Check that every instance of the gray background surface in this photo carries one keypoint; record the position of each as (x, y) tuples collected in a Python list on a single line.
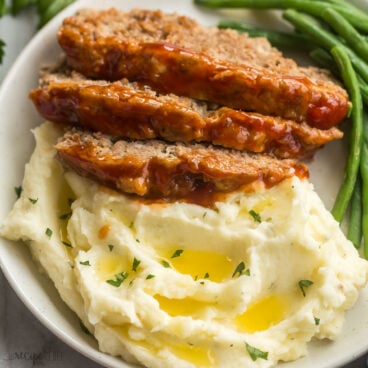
[(24, 342)]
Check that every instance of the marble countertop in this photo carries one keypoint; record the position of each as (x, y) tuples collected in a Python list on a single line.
[(24, 341)]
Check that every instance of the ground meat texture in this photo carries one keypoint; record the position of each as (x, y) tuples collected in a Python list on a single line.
[(174, 54), (156, 170), (135, 111)]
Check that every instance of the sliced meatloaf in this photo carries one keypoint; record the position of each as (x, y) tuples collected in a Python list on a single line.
[(154, 169), (174, 54), (134, 111)]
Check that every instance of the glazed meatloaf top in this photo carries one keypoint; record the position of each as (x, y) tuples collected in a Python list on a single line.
[(173, 53), (151, 26), (132, 110)]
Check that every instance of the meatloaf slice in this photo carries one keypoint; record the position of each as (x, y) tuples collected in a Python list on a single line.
[(154, 169), (175, 54), (133, 111)]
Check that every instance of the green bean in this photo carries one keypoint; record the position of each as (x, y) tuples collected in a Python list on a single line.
[(324, 59), (363, 90), (54, 8), (324, 38), (349, 77), (3, 8), (355, 16), (364, 175), (355, 219), (343, 3), (43, 5), (343, 28), (278, 39), (18, 5)]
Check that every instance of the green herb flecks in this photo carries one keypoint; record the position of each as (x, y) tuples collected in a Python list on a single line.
[(136, 263), (33, 200), (177, 253), (256, 216), (241, 270), (256, 353), (303, 284), (85, 263), (119, 279), (48, 232), (166, 264)]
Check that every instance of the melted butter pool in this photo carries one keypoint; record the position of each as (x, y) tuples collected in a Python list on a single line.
[(263, 314), (200, 264), (109, 265), (199, 356), (181, 307)]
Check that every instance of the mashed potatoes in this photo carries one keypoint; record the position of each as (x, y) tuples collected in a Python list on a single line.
[(246, 284)]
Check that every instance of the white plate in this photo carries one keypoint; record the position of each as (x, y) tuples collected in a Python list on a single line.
[(35, 290)]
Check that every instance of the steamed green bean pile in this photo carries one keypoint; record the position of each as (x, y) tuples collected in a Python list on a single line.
[(335, 34)]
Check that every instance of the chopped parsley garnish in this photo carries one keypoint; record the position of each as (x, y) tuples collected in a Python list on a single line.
[(316, 321), (137, 240), (33, 200), (256, 353), (85, 263), (48, 232), (240, 269), (206, 275), (18, 191), (67, 244), (177, 253), (303, 284), (111, 247), (256, 216), (165, 264), (119, 279), (136, 263), (150, 276), (65, 216)]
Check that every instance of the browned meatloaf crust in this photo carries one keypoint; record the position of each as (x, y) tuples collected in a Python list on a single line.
[(175, 54), (133, 111), (154, 169)]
